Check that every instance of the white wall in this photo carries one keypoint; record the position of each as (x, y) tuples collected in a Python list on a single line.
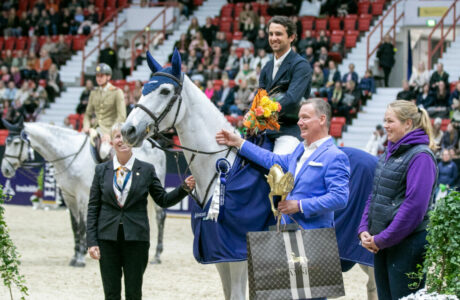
[(139, 17)]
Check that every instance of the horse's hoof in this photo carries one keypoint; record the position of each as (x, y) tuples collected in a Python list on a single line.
[(80, 264), (155, 261)]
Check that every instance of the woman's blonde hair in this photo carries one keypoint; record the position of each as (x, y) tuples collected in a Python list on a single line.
[(406, 110)]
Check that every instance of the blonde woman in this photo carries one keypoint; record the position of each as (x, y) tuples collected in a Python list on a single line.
[(393, 225)]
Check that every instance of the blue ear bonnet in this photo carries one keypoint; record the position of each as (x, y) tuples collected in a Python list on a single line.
[(156, 81)]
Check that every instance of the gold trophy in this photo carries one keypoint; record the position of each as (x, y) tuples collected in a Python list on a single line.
[(281, 184)]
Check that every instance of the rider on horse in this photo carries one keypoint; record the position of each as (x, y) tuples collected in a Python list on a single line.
[(107, 103)]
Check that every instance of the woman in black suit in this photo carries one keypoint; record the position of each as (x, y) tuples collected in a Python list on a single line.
[(118, 226)]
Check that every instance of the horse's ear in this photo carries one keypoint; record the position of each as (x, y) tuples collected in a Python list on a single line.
[(21, 122), (153, 64), (176, 63)]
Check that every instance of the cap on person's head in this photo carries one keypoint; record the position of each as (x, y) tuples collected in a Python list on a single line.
[(103, 69), (438, 121), (379, 127)]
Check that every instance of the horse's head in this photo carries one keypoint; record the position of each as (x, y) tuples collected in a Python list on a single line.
[(160, 106), (16, 148)]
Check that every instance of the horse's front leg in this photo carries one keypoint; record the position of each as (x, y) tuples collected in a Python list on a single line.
[(160, 217), (71, 203)]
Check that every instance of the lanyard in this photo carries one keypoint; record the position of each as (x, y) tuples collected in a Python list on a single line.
[(120, 189)]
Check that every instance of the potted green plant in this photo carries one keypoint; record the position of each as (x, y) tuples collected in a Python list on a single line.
[(9, 257)]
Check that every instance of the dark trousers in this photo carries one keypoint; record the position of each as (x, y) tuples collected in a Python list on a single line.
[(386, 74), (392, 264), (127, 257)]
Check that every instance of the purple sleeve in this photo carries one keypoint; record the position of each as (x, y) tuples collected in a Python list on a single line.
[(364, 225), (419, 183)]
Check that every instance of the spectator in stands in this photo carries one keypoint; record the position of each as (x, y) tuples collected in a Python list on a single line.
[(43, 24), (323, 57), (43, 64), (245, 43), (34, 19), (246, 58), (23, 93), (263, 24), (84, 97), (309, 55), (247, 16), (209, 91), (437, 132), (425, 99), (19, 61), (221, 42), (67, 22), (24, 24), (307, 41), (53, 83), (8, 58), (192, 60), (331, 74), (92, 15), (61, 51), (198, 75), (455, 105), (233, 63), (209, 31), (249, 29), (367, 86), (243, 74), (33, 102), (261, 59), (40, 5), (322, 40), (124, 58), (34, 45), (54, 21), (243, 99), (193, 28), (198, 44), (15, 112), (182, 46), (10, 92), (213, 72), (128, 97), (335, 97), (206, 58), (351, 100), (351, 74), (218, 58), (49, 45), (447, 170), (108, 55), (450, 138), (16, 76), (317, 81), (441, 105), (137, 92), (438, 76), (376, 143), (225, 97), (406, 93), (29, 71), (2, 90), (261, 41), (141, 48), (385, 54), (419, 78), (12, 24)]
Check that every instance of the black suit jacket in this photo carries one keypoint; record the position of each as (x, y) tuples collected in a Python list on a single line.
[(104, 213), (293, 80)]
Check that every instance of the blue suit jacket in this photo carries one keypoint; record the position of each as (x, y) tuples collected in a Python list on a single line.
[(354, 77), (294, 79), (321, 184)]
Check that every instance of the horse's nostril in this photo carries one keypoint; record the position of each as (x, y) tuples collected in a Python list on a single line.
[(130, 131)]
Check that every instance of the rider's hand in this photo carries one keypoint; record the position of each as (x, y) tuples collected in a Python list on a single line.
[(225, 137), (190, 182), (94, 252)]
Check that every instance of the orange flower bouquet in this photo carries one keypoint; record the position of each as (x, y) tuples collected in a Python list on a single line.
[(263, 114)]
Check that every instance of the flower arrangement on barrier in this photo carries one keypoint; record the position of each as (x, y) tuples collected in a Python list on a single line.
[(263, 114)]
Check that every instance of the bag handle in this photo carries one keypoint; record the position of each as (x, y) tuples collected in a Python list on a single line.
[(278, 223)]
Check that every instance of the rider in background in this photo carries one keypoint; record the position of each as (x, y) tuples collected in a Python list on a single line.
[(106, 102), (290, 74)]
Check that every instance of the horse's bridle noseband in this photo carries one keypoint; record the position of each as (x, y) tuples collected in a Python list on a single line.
[(176, 96)]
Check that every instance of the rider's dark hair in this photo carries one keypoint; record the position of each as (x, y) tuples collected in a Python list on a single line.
[(291, 28)]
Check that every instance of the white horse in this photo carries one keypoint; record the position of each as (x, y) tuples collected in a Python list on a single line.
[(169, 101), (69, 153)]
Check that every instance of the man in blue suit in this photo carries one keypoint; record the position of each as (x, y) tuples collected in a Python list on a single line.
[(321, 171), (288, 76)]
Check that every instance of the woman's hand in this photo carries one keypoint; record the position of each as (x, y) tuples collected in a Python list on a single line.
[(225, 137), (367, 241), (94, 252), (190, 182)]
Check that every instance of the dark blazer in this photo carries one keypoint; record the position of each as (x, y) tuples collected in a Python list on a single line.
[(354, 77), (104, 213), (228, 101), (336, 76), (293, 80)]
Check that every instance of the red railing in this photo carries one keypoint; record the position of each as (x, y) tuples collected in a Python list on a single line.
[(86, 53), (391, 13), (136, 52), (440, 44)]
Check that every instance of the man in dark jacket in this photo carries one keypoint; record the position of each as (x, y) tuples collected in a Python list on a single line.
[(385, 54), (289, 76)]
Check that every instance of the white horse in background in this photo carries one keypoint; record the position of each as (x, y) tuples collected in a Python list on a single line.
[(69, 153)]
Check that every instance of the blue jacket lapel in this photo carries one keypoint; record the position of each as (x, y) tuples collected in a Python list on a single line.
[(134, 181), (312, 157), (283, 68), (108, 182)]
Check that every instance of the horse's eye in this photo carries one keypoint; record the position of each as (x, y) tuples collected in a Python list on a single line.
[(164, 92)]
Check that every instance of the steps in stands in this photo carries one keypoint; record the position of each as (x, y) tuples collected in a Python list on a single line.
[(451, 61), (372, 114), (64, 105), (209, 8)]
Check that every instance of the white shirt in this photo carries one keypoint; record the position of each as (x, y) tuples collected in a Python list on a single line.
[(121, 197), (277, 63), (309, 151)]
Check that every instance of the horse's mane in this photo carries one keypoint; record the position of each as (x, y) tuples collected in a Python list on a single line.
[(56, 129)]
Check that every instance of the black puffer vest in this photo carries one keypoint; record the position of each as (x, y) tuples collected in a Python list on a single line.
[(389, 189)]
